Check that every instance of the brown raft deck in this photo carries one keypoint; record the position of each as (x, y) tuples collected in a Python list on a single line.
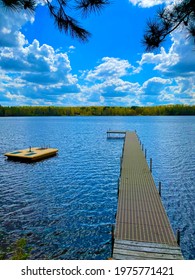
[(32, 154), (142, 229)]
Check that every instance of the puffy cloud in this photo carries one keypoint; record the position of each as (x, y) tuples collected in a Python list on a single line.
[(35, 74), (162, 60), (110, 67), (71, 49), (154, 85), (31, 71), (41, 71), (176, 66), (105, 83), (117, 87), (150, 3), (182, 90), (110, 82), (10, 25), (179, 61)]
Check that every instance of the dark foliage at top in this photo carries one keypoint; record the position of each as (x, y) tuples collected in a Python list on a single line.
[(168, 20), (58, 10)]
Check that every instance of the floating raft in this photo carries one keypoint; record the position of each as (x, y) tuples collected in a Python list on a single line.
[(142, 229), (32, 154)]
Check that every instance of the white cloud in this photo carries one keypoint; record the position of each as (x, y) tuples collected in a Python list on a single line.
[(162, 60), (150, 3), (10, 25), (176, 71), (31, 71), (16, 97), (176, 67), (155, 85), (40, 65), (110, 67), (109, 82), (178, 61), (106, 82)]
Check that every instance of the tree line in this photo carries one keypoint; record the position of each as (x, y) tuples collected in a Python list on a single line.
[(164, 110)]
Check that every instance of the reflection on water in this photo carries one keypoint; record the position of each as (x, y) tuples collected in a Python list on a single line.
[(65, 206)]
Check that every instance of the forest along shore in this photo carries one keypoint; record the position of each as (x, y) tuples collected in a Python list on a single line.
[(164, 110)]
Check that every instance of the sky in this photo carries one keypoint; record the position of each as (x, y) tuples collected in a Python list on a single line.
[(39, 65)]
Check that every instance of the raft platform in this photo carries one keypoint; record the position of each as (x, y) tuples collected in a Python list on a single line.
[(142, 229), (32, 154)]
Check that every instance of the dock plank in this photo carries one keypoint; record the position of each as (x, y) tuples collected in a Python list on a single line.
[(141, 216)]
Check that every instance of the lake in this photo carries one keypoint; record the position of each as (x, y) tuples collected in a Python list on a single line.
[(65, 205)]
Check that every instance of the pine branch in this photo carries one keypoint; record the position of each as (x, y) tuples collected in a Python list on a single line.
[(58, 8), (17, 5), (90, 6), (66, 23), (167, 22)]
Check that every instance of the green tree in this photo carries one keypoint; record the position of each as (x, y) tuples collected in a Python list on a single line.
[(2, 111), (168, 20), (58, 10)]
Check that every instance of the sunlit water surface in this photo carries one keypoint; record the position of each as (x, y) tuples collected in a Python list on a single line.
[(65, 206)]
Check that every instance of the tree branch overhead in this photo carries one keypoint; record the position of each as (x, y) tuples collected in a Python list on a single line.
[(168, 20), (58, 11)]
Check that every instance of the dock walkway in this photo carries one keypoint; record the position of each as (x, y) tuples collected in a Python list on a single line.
[(142, 229)]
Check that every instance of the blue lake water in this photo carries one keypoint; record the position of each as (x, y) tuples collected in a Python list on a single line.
[(65, 206)]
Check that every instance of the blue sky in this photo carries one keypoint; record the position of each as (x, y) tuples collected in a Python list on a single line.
[(41, 66)]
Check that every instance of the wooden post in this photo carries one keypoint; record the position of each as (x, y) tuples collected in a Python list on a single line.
[(142, 147), (118, 186), (112, 238), (30, 149), (121, 165), (159, 190), (145, 153), (151, 165), (178, 237)]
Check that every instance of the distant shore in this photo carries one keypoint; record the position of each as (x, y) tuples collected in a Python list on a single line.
[(163, 110)]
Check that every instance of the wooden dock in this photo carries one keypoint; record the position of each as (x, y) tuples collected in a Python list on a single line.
[(142, 229), (115, 134)]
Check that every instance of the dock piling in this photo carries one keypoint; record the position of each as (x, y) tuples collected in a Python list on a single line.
[(113, 226), (151, 165), (178, 237), (118, 186), (159, 188)]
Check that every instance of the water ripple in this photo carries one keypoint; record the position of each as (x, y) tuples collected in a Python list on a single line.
[(65, 206)]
